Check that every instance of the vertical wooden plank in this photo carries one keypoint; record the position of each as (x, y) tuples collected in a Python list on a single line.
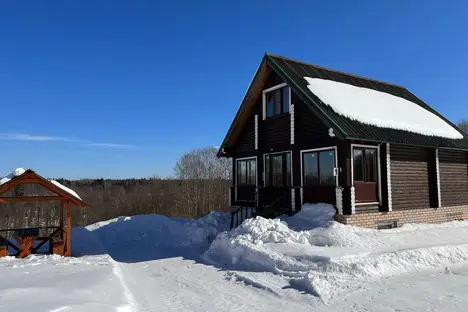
[(68, 244), (344, 174), (433, 177), (62, 208), (439, 196)]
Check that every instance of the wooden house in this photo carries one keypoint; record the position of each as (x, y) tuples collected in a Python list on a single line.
[(379, 154)]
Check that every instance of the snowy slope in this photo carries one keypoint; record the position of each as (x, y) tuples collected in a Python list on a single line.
[(302, 263)]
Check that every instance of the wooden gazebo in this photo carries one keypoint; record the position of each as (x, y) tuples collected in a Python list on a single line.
[(30, 240)]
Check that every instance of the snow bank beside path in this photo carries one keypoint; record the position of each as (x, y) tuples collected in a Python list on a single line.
[(149, 237), (332, 257)]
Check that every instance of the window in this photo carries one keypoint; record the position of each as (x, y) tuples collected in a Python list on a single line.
[(319, 168), (278, 169), (247, 172), (365, 164), (277, 102)]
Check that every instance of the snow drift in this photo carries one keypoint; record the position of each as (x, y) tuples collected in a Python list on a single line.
[(148, 237), (332, 257)]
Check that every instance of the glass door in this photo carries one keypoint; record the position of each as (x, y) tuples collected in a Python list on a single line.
[(277, 177), (246, 178), (319, 176)]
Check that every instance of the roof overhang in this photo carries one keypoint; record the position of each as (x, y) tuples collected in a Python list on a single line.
[(31, 177), (245, 108)]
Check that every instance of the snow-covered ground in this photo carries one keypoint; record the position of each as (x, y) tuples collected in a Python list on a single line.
[(300, 263)]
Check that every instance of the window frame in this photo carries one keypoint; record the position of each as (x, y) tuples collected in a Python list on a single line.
[(364, 173), (317, 159), (272, 89), (247, 160), (284, 165), (337, 165), (379, 169)]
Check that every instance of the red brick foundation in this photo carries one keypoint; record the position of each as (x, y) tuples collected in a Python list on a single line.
[(426, 215)]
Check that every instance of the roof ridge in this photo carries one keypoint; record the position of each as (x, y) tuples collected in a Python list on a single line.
[(333, 70)]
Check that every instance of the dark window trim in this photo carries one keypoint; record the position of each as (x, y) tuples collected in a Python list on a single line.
[(248, 163), (364, 164), (318, 151), (289, 177), (282, 86)]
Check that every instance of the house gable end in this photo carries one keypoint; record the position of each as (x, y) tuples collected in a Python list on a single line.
[(267, 75)]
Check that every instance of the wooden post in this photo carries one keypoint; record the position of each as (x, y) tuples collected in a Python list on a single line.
[(62, 208), (68, 241)]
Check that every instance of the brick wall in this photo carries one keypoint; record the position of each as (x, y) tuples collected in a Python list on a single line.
[(427, 215)]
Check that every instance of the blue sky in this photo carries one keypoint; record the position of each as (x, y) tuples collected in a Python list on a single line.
[(123, 88)]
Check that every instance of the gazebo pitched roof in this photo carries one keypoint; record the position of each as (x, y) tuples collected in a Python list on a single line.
[(21, 176)]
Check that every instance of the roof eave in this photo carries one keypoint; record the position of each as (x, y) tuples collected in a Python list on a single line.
[(350, 138), (220, 152)]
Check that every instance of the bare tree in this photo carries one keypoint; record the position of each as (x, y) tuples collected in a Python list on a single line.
[(202, 163), (463, 124)]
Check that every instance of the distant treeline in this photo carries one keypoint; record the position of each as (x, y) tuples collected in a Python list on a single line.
[(200, 185), (108, 199)]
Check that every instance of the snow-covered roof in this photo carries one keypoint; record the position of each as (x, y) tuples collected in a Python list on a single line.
[(64, 188), (15, 173), (19, 171), (380, 109)]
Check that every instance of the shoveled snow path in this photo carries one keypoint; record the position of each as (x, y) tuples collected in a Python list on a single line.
[(176, 284), (434, 290)]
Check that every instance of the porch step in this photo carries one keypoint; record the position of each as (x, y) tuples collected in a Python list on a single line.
[(367, 208)]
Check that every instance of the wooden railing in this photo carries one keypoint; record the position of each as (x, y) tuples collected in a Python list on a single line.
[(281, 205), (25, 237)]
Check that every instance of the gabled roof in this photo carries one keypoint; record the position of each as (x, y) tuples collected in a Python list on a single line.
[(294, 72), (21, 176)]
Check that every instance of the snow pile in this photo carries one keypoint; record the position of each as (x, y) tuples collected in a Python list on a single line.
[(15, 173), (149, 237), (380, 109), (311, 216), (329, 259)]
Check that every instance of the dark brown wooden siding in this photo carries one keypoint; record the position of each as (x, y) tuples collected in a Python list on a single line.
[(453, 171), (410, 177), (246, 141), (309, 129), (276, 132)]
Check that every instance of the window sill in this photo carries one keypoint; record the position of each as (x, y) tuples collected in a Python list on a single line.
[(366, 203), (277, 116)]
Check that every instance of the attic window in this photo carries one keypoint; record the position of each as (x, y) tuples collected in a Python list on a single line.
[(276, 100)]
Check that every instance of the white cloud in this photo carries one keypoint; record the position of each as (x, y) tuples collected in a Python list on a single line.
[(111, 145), (46, 138), (30, 137)]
